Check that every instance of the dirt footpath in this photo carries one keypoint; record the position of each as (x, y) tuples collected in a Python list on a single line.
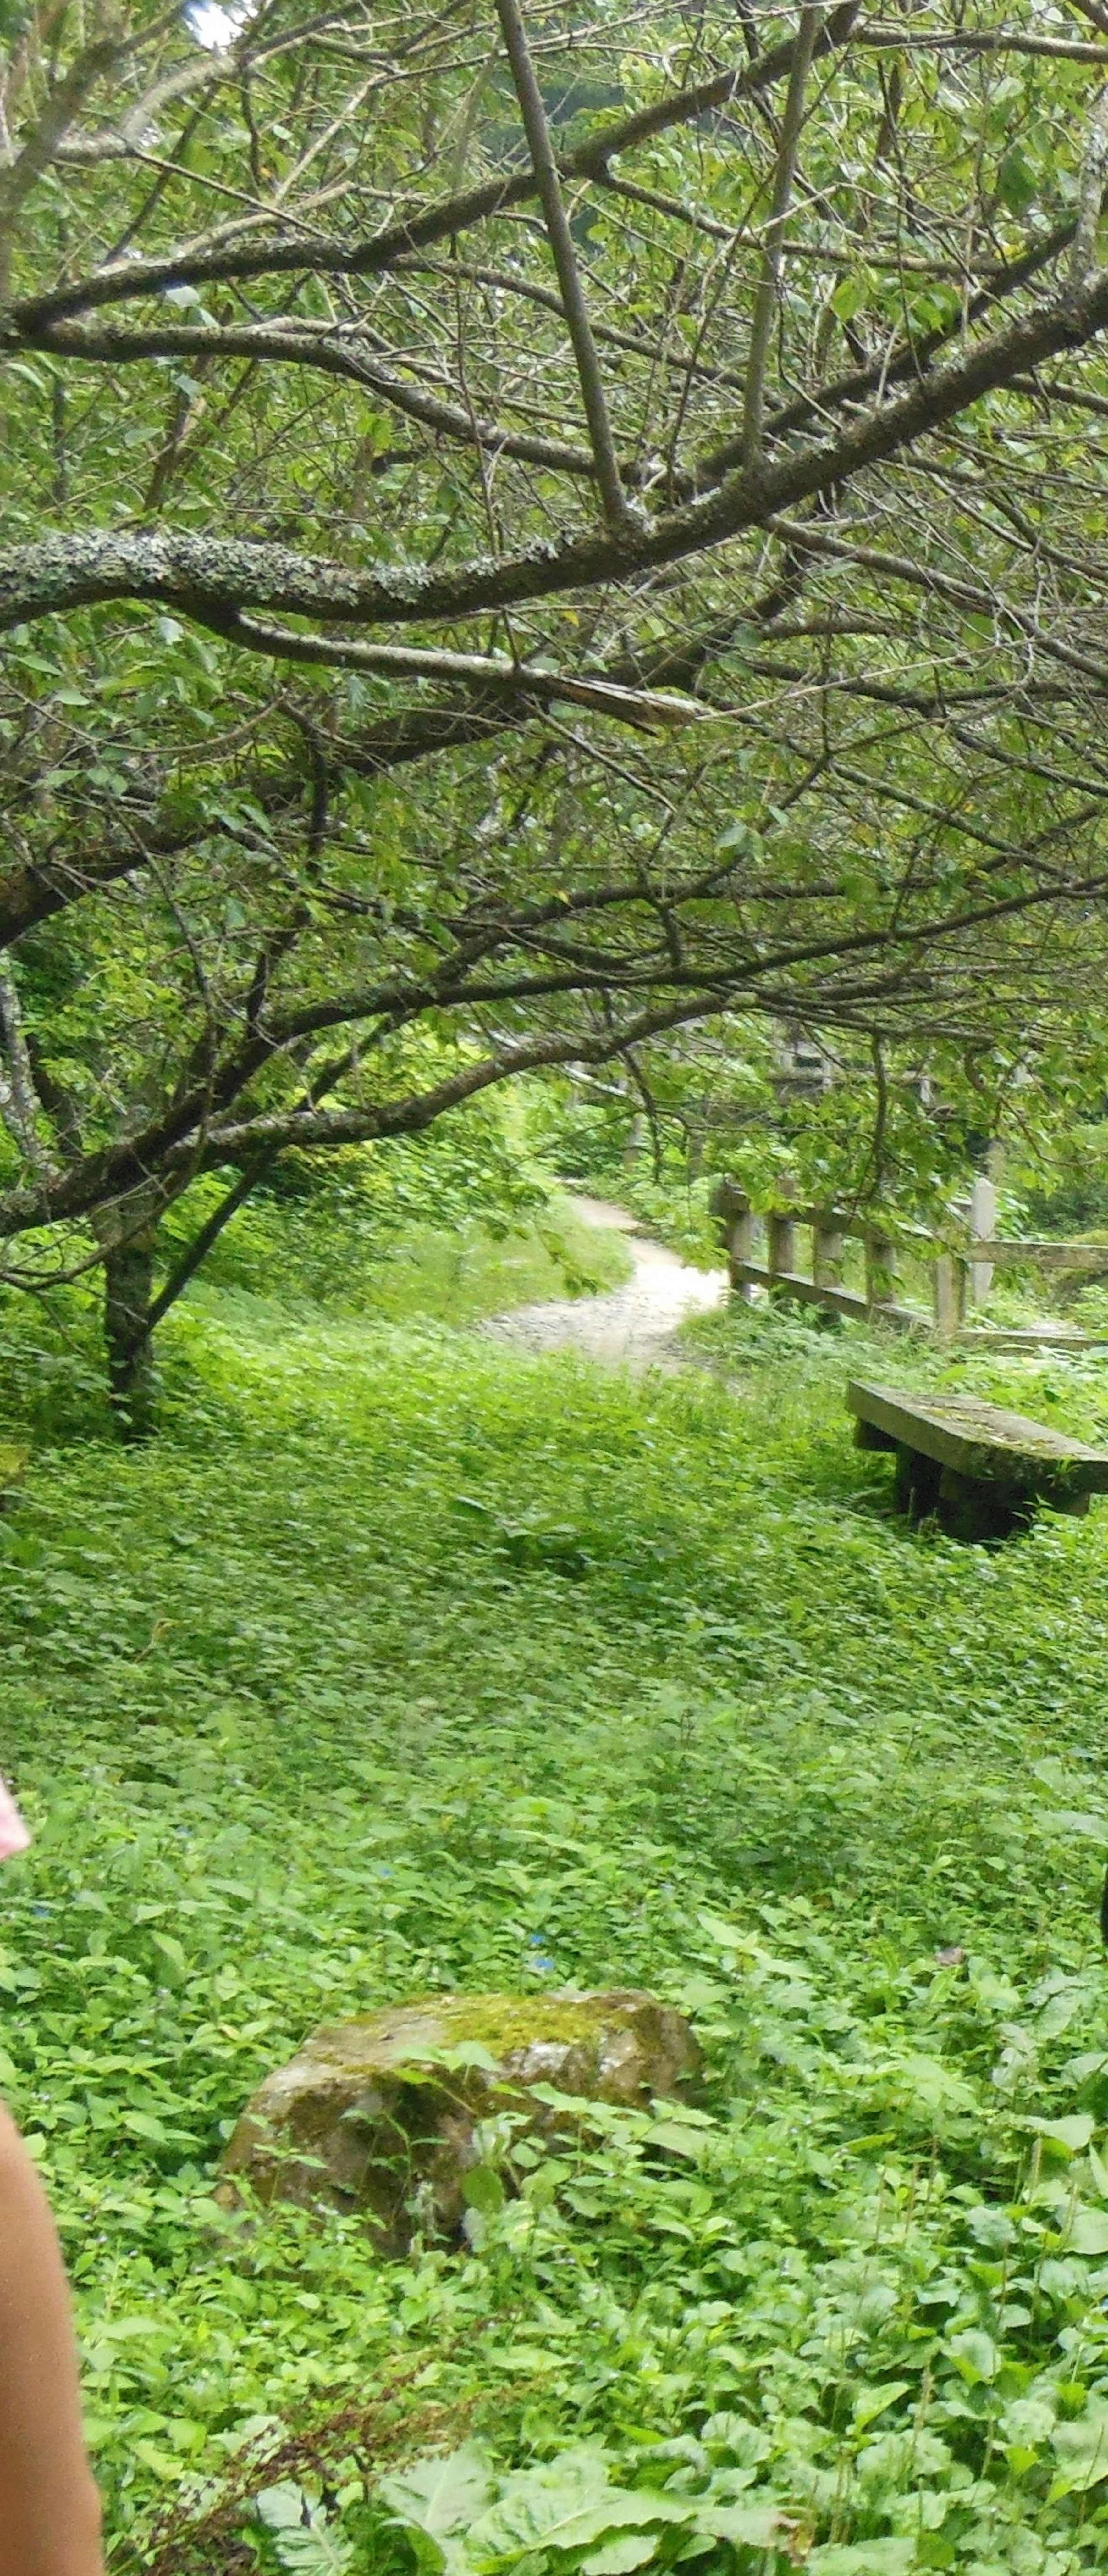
[(632, 1326)]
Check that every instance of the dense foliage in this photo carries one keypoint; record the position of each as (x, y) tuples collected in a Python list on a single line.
[(524, 534), (550, 541), (401, 1662)]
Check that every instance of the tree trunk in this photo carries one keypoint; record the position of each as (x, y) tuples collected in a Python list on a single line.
[(128, 1295)]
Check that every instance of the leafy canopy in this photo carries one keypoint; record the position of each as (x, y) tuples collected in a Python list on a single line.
[(557, 527)]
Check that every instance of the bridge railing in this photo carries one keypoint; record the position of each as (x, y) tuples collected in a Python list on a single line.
[(763, 1251)]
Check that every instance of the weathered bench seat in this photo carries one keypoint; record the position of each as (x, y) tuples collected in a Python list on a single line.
[(980, 1469)]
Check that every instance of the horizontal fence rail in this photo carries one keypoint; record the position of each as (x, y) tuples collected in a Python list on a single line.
[(961, 1264)]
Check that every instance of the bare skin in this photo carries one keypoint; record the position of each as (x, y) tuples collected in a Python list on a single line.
[(49, 2508)]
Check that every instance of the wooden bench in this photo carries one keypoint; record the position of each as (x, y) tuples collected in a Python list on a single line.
[(980, 1470)]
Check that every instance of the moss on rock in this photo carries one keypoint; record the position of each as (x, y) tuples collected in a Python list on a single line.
[(380, 2115)]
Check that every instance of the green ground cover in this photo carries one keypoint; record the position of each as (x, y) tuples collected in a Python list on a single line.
[(329, 1251), (401, 1661)]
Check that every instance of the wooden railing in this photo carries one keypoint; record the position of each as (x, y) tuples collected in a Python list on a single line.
[(961, 1263)]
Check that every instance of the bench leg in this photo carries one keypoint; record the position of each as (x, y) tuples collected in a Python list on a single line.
[(868, 1436), (970, 1509), (915, 1483)]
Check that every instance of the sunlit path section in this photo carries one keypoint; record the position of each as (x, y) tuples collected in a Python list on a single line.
[(635, 1324)]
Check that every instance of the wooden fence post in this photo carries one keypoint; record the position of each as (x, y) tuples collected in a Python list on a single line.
[(827, 1252), (950, 1295), (784, 1275), (982, 1228), (735, 1217), (740, 1247), (880, 1271), (781, 1254)]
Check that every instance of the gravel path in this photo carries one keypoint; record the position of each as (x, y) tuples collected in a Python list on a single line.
[(631, 1326)]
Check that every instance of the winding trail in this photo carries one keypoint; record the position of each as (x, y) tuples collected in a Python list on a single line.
[(632, 1326)]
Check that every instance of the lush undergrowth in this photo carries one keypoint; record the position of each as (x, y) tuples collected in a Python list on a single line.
[(459, 1277), (52, 1375), (448, 1272), (401, 1662)]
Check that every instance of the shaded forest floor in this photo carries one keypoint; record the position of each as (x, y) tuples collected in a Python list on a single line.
[(405, 1661)]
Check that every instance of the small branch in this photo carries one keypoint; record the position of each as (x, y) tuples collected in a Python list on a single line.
[(286, 346), (769, 285), (989, 40), (518, 681), (41, 146), (121, 142), (277, 255), (881, 1116), (565, 261), (197, 1251), (650, 1111)]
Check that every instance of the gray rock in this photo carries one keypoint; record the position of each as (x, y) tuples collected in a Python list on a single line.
[(383, 2115)]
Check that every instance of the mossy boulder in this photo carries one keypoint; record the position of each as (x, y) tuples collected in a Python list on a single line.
[(384, 2115)]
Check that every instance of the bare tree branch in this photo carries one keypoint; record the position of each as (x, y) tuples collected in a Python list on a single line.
[(560, 238), (765, 302), (41, 145), (276, 255)]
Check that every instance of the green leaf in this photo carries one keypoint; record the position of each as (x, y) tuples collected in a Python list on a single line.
[(872, 2402), (567, 2503), (727, 1936), (466, 2053), (678, 2138), (304, 2541), (746, 2526), (1099, 2170), (483, 2189), (618, 2557), (1087, 2232), (1016, 180), (440, 2495), (144, 2124), (863, 2558), (1072, 2133), (976, 2355), (1081, 2449)]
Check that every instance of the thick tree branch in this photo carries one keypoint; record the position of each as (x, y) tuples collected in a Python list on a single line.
[(201, 575), (519, 683), (208, 1234), (282, 345), (41, 145)]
